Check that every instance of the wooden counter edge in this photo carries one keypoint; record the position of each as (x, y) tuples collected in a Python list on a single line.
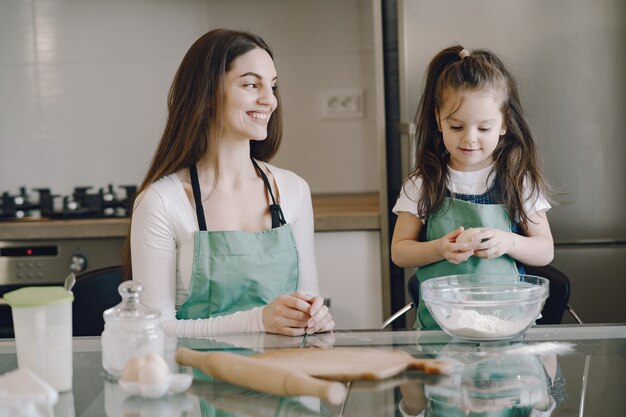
[(333, 212)]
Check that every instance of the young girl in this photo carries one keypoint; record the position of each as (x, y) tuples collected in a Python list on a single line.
[(476, 167)]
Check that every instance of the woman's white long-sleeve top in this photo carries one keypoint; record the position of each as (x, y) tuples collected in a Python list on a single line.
[(162, 246)]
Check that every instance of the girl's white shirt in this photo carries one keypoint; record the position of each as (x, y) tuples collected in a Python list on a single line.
[(162, 247), (463, 182)]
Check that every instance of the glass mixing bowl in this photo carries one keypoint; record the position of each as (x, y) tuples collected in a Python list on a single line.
[(478, 307), (498, 380)]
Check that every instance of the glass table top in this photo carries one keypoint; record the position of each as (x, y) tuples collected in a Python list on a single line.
[(577, 370)]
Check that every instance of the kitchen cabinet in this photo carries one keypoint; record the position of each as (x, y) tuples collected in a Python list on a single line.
[(349, 268), (349, 262)]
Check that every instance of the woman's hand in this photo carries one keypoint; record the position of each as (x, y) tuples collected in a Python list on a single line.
[(321, 340), (453, 252), (287, 315), (321, 320), (492, 243), (296, 314)]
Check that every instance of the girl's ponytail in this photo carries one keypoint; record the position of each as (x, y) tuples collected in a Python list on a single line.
[(431, 155)]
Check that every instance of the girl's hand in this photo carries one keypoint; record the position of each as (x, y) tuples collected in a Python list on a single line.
[(321, 320), (287, 315), (492, 243), (453, 252)]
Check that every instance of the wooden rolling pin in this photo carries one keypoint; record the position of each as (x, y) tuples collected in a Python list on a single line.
[(261, 376)]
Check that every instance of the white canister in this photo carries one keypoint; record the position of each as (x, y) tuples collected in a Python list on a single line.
[(42, 320), (130, 329)]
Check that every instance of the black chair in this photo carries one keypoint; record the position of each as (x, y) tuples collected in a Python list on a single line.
[(413, 286), (553, 309), (558, 300), (94, 292)]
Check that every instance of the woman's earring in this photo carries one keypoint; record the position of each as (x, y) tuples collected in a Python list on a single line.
[(502, 132)]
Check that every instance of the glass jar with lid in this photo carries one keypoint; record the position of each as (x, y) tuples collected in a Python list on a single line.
[(130, 329)]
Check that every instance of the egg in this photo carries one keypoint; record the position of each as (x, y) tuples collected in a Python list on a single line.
[(467, 235), (154, 379), (155, 359), (148, 376), (130, 371)]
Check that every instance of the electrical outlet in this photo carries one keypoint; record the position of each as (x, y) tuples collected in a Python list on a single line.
[(347, 104)]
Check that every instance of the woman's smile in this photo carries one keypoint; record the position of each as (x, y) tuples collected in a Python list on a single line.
[(259, 117)]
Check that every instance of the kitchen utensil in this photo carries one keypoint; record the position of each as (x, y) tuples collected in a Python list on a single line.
[(130, 329), (261, 376), (70, 280), (296, 371), (491, 380), (485, 306), (350, 364), (42, 319)]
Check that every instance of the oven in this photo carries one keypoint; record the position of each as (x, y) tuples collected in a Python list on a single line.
[(48, 262)]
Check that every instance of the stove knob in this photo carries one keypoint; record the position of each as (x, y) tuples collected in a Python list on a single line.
[(78, 263)]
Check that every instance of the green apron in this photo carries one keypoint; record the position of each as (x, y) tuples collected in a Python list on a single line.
[(236, 271), (455, 213)]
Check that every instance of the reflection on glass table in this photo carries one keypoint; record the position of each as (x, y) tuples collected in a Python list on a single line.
[(491, 380), (523, 375)]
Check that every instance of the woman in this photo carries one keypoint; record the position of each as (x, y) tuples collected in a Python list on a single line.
[(221, 240)]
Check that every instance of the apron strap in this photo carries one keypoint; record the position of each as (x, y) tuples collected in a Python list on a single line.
[(197, 198), (278, 219)]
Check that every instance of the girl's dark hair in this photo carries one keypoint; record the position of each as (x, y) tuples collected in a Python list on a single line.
[(195, 110), (516, 161)]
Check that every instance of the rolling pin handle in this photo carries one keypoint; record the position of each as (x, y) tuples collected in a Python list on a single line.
[(260, 376)]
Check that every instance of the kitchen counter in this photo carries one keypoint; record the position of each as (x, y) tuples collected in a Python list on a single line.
[(336, 212), (569, 370), (333, 212)]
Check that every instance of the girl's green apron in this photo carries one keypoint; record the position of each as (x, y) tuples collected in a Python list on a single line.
[(235, 271), (452, 214)]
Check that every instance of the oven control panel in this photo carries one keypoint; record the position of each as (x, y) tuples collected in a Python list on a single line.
[(49, 262)]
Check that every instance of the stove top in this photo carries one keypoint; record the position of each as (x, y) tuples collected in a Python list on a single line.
[(81, 204)]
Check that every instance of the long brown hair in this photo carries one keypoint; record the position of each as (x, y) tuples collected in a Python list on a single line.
[(195, 110), (516, 161)]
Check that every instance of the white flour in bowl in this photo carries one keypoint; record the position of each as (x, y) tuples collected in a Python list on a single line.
[(470, 323)]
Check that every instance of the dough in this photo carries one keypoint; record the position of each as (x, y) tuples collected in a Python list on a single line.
[(467, 235)]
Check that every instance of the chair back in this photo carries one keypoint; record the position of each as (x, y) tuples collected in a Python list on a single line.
[(413, 286), (556, 304), (94, 292)]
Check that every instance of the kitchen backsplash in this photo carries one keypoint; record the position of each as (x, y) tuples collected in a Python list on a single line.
[(83, 86)]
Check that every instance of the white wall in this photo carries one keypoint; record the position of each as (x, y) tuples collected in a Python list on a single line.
[(83, 86)]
